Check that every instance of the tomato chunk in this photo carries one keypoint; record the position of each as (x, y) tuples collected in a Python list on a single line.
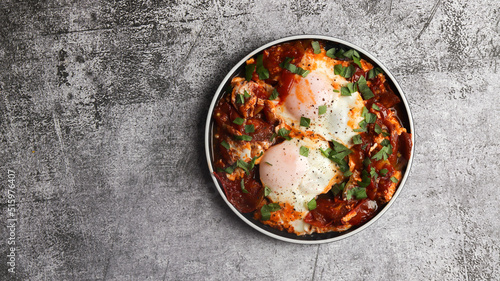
[(243, 202), (327, 212), (358, 73), (383, 92), (405, 145), (275, 55), (224, 115), (263, 130), (361, 213)]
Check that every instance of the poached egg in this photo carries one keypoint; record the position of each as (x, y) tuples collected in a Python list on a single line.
[(295, 179)]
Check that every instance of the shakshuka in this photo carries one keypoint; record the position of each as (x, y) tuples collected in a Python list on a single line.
[(308, 138)]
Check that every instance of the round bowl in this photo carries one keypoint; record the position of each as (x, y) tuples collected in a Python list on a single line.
[(315, 238)]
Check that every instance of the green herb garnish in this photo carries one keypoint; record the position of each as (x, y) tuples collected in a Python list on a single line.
[(345, 72), (304, 122), (261, 70), (348, 89), (311, 205), (249, 69), (225, 144), (239, 121), (331, 53), (284, 133), (374, 72), (337, 155), (383, 153), (358, 192), (230, 169), (249, 128), (267, 191), (243, 186), (326, 152), (316, 47), (357, 61), (343, 166), (321, 109), (351, 54), (357, 139), (266, 210), (272, 137), (338, 147), (364, 89), (354, 55), (247, 167), (365, 179), (304, 151), (240, 99), (338, 187), (243, 137), (339, 53), (362, 126), (274, 95), (293, 68), (369, 117)]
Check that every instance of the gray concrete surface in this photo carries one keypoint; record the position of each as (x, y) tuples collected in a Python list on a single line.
[(102, 108)]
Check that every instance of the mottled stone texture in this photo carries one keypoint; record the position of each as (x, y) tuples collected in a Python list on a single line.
[(102, 111)]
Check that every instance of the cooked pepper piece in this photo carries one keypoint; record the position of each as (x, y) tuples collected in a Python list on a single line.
[(244, 202)]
